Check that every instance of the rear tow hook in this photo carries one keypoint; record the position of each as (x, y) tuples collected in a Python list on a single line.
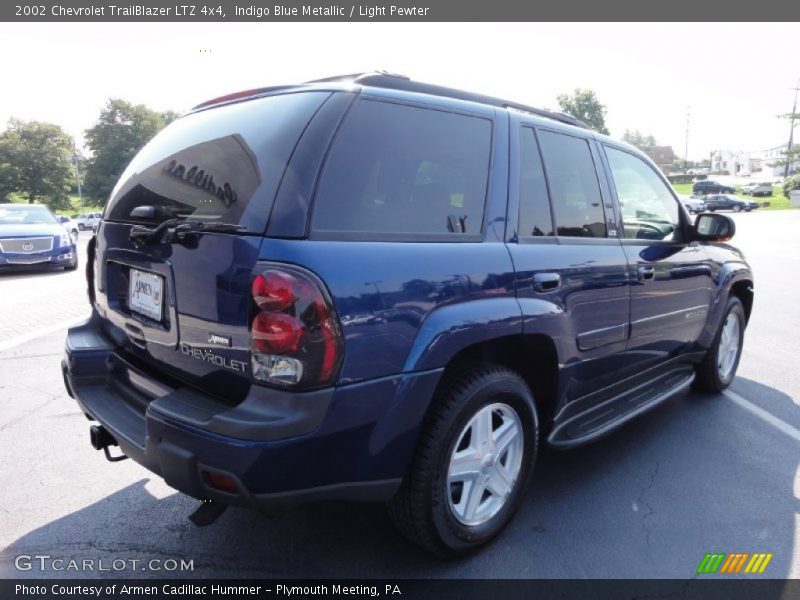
[(101, 439), (208, 512)]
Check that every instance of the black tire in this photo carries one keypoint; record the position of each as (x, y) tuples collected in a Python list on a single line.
[(421, 508), (737, 208), (708, 378)]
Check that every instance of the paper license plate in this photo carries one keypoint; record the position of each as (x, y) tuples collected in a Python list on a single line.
[(146, 294)]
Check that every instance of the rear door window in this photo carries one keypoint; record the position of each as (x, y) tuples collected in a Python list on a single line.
[(221, 164), (535, 219), (403, 172), (574, 187)]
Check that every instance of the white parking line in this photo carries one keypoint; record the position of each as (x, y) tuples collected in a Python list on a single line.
[(27, 337), (765, 416)]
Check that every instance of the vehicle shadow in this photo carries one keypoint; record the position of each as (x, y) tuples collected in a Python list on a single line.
[(19, 274), (695, 475)]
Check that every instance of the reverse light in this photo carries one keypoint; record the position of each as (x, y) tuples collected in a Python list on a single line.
[(295, 337)]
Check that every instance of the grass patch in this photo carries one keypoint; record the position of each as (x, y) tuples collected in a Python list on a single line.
[(776, 202), (74, 201)]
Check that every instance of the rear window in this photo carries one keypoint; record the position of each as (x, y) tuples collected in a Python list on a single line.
[(402, 172), (222, 164)]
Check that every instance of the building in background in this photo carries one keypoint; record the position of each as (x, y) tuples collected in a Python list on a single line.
[(768, 158), (754, 164), (663, 156), (732, 162)]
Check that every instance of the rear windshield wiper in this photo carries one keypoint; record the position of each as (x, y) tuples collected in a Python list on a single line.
[(177, 230)]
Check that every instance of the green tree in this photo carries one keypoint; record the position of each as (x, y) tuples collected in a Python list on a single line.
[(790, 184), (790, 156), (35, 163), (640, 140), (120, 132), (584, 105)]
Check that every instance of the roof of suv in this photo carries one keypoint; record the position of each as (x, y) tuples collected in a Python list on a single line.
[(388, 81)]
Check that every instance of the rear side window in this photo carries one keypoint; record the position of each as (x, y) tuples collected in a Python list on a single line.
[(222, 164), (574, 188), (403, 172)]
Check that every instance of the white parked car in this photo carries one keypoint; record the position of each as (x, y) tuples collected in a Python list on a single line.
[(69, 225), (88, 220)]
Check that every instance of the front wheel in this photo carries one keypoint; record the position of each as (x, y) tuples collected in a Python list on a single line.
[(718, 368), (737, 208), (472, 463)]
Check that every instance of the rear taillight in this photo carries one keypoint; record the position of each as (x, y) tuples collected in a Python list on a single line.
[(295, 338)]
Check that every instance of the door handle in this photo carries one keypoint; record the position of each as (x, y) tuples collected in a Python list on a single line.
[(645, 274), (546, 282)]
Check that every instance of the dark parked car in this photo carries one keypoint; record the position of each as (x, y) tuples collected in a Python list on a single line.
[(510, 279), (726, 202), (712, 187), (31, 236)]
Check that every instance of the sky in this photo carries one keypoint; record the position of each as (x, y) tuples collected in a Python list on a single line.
[(733, 79)]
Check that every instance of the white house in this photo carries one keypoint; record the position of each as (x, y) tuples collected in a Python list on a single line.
[(756, 164)]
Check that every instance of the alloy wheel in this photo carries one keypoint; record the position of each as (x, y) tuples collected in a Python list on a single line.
[(485, 464), (728, 349)]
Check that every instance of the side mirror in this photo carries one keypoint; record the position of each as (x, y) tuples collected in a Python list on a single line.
[(63, 219), (713, 227)]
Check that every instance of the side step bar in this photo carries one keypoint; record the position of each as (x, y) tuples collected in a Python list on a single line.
[(603, 418)]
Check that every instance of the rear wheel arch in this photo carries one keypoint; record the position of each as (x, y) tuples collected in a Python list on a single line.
[(532, 356)]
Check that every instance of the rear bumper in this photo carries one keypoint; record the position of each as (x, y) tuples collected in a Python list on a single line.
[(281, 449)]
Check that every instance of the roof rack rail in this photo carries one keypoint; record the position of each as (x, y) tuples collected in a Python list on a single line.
[(382, 79)]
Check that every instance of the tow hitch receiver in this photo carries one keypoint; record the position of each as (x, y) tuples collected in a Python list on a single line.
[(208, 512), (101, 439)]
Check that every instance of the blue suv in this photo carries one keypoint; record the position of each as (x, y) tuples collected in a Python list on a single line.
[(369, 288)]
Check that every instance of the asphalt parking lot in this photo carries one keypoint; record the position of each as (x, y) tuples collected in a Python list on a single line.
[(699, 474)]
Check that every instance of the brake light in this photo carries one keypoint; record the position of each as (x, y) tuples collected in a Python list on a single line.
[(295, 337), (276, 333)]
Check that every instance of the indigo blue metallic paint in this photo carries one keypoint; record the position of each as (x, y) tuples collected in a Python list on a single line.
[(405, 309)]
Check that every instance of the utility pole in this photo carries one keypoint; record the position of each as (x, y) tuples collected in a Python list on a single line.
[(76, 160), (686, 147), (791, 132)]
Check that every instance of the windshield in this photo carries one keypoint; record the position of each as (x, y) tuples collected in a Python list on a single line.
[(24, 214)]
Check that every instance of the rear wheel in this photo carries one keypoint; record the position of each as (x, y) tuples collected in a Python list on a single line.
[(718, 368), (472, 464), (737, 208)]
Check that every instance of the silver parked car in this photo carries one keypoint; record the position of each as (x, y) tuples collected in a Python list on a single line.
[(757, 189), (88, 220)]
